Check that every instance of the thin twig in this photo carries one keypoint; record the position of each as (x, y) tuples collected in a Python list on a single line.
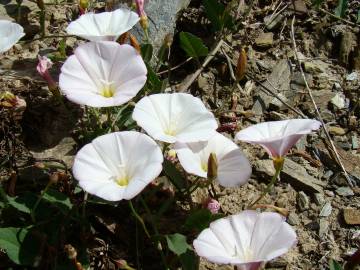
[(336, 17), (175, 67), (315, 106), (207, 60)]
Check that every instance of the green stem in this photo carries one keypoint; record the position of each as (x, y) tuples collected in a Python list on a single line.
[(108, 113), (153, 224), (268, 187), (32, 213), (137, 216)]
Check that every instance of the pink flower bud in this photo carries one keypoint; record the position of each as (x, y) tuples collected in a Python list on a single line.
[(43, 68), (140, 7), (213, 205)]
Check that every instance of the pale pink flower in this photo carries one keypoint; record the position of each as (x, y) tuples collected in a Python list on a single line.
[(43, 67), (140, 7), (246, 240), (277, 137), (213, 205)]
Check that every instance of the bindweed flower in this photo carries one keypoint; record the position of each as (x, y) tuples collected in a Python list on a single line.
[(10, 34), (277, 137), (246, 240), (43, 67), (233, 168), (114, 166), (102, 74), (175, 117), (106, 26)]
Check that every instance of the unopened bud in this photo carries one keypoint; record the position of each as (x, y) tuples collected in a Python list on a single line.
[(135, 43), (84, 4), (212, 167), (241, 65), (213, 205), (168, 40), (144, 22)]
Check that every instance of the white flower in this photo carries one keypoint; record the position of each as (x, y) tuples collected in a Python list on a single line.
[(118, 165), (10, 34), (277, 137), (102, 74), (175, 117), (103, 26), (233, 168), (246, 239)]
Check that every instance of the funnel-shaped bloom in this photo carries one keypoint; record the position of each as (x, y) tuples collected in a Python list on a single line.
[(175, 117), (233, 168), (246, 239), (103, 26), (277, 137), (102, 74), (118, 165), (10, 33)]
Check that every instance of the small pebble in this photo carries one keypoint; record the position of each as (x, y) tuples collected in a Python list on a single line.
[(344, 191), (326, 210)]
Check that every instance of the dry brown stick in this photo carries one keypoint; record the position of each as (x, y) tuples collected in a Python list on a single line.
[(336, 17), (316, 107), (196, 74), (175, 67), (232, 71)]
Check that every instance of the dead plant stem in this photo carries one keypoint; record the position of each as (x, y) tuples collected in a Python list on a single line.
[(315, 106)]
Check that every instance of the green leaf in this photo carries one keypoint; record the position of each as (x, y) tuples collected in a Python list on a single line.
[(200, 219), (173, 174), (317, 3), (146, 52), (19, 245), (189, 260), (334, 265), (177, 243), (192, 45), (59, 199), (155, 85), (341, 8), (217, 15), (23, 203)]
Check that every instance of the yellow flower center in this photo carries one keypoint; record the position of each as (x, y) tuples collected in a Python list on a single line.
[(122, 181), (108, 89), (204, 166)]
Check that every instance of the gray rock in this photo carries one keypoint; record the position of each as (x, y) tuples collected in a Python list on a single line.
[(328, 174), (272, 22), (64, 151), (354, 142), (265, 40), (316, 66), (323, 227), (303, 201), (264, 168), (276, 105), (163, 15), (301, 144), (352, 76), (297, 176), (338, 101), (293, 219), (344, 191), (319, 198), (278, 79), (326, 210)]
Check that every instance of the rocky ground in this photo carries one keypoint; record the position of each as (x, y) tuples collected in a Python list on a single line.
[(323, 208)]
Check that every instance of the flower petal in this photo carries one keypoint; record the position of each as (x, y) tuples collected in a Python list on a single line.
[(10, 34), (99, 164), (85, 74), (105, 26), (175, 117), (277, 137)]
